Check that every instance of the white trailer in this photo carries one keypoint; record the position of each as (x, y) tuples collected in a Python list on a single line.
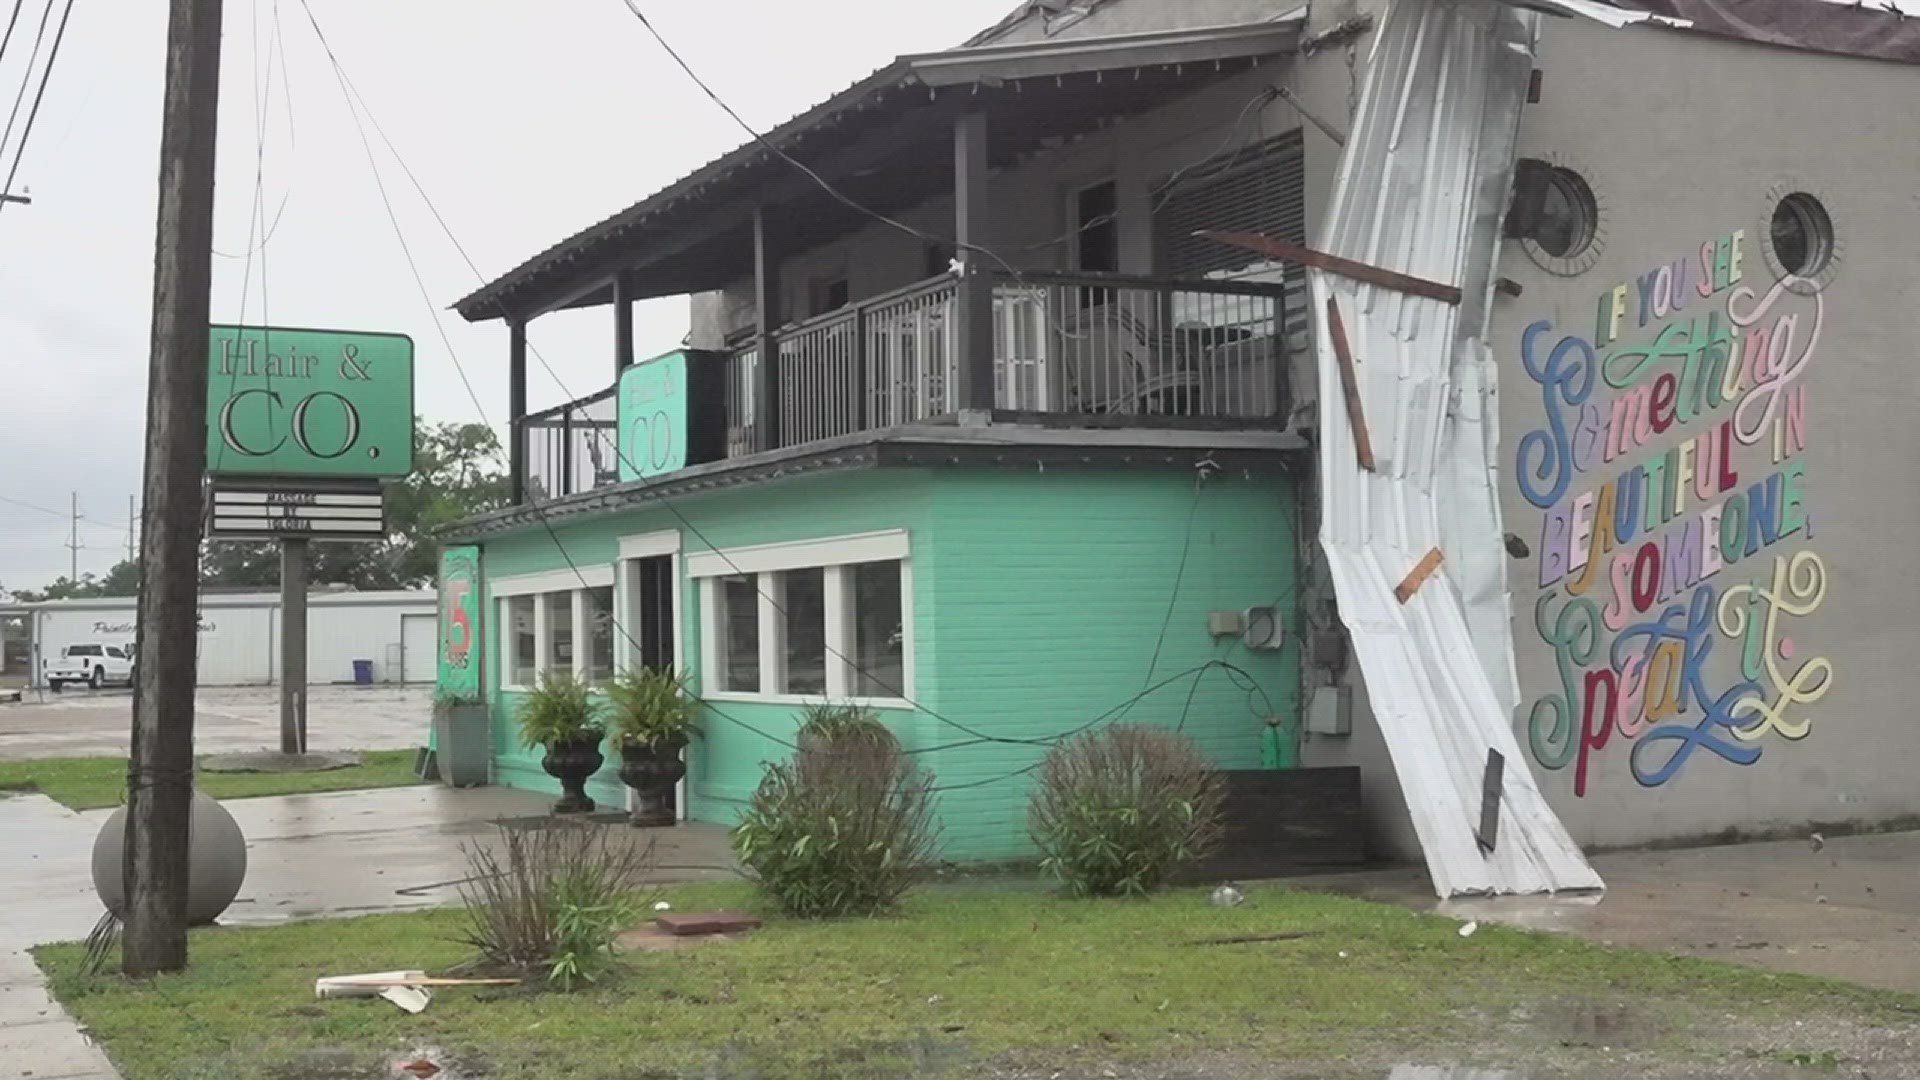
[(240, 634)]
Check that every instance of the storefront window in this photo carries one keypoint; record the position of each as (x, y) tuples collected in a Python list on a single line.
[(806, 626), (879, 635), (739, 600), (600, 633), (524, 656), (559, 632)]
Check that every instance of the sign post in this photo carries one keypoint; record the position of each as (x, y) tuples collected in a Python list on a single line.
[(303, 427)]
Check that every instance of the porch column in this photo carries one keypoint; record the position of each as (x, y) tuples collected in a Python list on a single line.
[(517, 408), (622, 324), (973, 307), (766, 295)]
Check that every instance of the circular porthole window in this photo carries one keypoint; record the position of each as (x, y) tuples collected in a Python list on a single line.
[(1557, 217), (1569, 216), (1802, 235)]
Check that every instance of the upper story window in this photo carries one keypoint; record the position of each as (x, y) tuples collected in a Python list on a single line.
[(821, 619), (828, 295), (1096, 222)]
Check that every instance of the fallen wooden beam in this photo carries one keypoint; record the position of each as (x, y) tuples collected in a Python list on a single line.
[(1404, 591), (1288, 251), (1250, 939), (1350, 386)]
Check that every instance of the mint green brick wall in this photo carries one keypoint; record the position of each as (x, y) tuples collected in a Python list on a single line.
[(1038, 599), (725, 764), (1049, 594)]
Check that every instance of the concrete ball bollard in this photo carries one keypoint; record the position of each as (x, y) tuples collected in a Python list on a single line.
[(216, 861)]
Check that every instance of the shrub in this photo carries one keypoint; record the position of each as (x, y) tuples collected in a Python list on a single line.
[(1118, 811), (553, 897), (651, 707), (559, 709), (845, 829), (824, 726)]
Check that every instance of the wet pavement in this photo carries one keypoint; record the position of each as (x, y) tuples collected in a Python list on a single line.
[(342, 853), (227, 719), (1845, 907)]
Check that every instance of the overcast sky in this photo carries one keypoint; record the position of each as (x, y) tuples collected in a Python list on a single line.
[(525, 122)]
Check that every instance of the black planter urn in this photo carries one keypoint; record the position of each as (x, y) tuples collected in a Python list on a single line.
[(572, 762), (652, 770)]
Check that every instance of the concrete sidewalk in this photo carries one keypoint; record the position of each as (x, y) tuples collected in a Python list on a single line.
[(342, 853), (1847, 908)]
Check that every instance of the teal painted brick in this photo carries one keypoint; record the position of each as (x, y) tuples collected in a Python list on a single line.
[(1039, 601), (727, 761), (1050, 597)]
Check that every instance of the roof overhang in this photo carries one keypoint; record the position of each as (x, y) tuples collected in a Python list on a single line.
[(1043, 59), (692, 235), (1025, 447)]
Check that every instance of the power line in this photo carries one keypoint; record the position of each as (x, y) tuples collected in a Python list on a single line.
[(46, 73), (61, 514), (26, 79), (350, 93), (11, 20)]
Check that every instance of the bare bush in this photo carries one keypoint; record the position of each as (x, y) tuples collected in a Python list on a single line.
[(1118, 811), (553, 896)]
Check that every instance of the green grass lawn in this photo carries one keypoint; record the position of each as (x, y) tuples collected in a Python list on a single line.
[(963, 976), (94, 782)]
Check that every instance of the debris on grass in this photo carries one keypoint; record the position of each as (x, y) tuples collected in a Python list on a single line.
[(409, 990), (1228, 895), (1249, 939), (1468, 929)]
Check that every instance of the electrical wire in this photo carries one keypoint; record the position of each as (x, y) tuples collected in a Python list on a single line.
[(26, 79), (350, 93), (33, 114), (63, 515), (11, 20)]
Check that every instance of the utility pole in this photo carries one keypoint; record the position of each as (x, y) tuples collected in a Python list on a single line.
[(293, 645), (160, 774), (73, 542), (132, 528)]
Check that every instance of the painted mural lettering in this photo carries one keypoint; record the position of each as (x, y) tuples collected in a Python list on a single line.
[(1670, 477)]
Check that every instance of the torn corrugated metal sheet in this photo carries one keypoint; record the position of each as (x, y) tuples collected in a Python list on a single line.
[(1599, 12), (1421, 190)]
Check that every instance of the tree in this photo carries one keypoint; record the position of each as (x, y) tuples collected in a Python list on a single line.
[(457, 472), (122, 580)]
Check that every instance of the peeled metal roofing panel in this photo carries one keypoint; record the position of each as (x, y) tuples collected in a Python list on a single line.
[(1599, 12), (1422, 185)]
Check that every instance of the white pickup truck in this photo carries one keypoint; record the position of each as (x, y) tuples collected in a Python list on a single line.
[(95, 665)]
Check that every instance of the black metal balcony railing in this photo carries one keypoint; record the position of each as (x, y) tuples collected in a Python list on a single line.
[(1063, 344), (571, 448)]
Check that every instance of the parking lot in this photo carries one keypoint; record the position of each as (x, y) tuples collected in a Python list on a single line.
[(88, 723)]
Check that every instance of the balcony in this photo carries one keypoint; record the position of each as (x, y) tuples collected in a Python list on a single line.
[(1106, 349)]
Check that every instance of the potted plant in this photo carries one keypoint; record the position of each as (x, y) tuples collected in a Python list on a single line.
[(559, 715), (461, 739), (652, 716)]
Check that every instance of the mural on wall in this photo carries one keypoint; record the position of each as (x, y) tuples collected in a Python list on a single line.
[(459, 667), (1674, 534)]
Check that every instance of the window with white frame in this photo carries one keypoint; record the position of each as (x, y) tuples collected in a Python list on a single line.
[(820, 619), (562, 621)]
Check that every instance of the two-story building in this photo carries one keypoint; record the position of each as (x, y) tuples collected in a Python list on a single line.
[(977, 428)]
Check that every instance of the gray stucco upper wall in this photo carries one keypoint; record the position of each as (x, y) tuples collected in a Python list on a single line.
[(1760, 520)]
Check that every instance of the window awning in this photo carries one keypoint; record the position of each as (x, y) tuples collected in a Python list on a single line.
[(886, 143)]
